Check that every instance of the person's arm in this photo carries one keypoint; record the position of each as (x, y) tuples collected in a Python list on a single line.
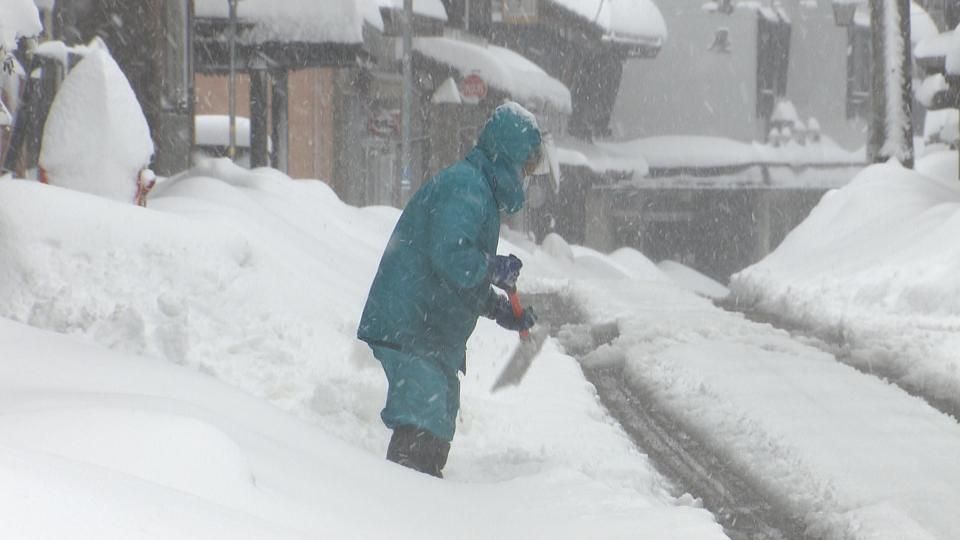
[(454, 234)]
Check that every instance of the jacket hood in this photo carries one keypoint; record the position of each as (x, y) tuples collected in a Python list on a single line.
[(507, 140)]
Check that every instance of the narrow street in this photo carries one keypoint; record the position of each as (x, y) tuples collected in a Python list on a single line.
[(691, 466)]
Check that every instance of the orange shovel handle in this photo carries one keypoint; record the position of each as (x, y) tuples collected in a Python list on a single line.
[(517, 309)]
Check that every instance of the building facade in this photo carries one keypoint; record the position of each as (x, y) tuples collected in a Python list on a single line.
[(713, 77)]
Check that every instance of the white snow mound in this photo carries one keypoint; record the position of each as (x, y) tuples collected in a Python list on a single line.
[(96, 138)]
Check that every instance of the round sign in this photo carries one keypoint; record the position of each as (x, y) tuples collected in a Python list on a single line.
[(473, 87)]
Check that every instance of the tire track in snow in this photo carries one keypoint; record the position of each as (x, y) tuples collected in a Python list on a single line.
[(690, 466)]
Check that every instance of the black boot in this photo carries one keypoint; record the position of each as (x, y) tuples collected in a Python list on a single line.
[(419, 450)]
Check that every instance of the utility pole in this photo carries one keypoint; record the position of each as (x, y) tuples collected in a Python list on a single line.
[(232, 84), (406, 152), (891, 130)]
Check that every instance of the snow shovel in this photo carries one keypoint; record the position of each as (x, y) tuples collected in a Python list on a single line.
[(526, 351)]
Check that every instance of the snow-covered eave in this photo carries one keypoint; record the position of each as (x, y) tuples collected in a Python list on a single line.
[(599, 160), (706, 157), (502, 69), (643, 46), (291, 52), (338, 22), (644, 39)]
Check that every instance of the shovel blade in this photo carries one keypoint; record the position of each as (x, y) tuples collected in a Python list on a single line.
[(519, 363)]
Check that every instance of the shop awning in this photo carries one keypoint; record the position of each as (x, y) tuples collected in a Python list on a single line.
[(501, 69)]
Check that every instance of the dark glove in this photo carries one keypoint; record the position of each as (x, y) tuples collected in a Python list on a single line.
[(504, 270), (502, 312)]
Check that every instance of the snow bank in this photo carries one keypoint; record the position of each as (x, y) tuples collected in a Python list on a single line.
[(874, 266), (941, 165), (601, 158), (812, 435), (259, 281), (692, 280), (96, 138)]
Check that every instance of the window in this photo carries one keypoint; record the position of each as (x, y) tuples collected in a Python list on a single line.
[(858, 71), (773, 56)]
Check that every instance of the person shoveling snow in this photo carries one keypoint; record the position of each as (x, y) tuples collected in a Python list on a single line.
[(436, 279)]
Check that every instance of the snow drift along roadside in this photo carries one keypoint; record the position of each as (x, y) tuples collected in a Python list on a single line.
[(259, 280), (874, 268)]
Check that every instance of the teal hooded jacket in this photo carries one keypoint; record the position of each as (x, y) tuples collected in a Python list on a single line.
[(432, 283)]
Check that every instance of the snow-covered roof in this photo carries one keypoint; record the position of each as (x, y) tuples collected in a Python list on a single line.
[(308, 21), (500, 68), (428, 8), (691, 151), (214, 130), (600, 159), (632, 21), (714, 161), (921, 24), (937, 46), (20, 18)]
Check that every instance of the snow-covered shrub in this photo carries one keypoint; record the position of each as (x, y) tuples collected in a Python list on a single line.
[(96, 138)]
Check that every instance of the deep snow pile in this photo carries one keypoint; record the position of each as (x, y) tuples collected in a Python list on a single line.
[(259, 280), (875, 268)]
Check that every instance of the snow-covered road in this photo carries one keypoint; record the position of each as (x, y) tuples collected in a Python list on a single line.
[(258, 281)]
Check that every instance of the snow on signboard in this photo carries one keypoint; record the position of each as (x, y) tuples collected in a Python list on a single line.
[(501, 68), (96, 138)]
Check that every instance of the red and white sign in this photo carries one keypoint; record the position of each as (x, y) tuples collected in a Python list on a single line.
[(473, 88)]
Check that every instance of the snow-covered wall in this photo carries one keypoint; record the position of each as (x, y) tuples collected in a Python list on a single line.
[(633, 21)]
